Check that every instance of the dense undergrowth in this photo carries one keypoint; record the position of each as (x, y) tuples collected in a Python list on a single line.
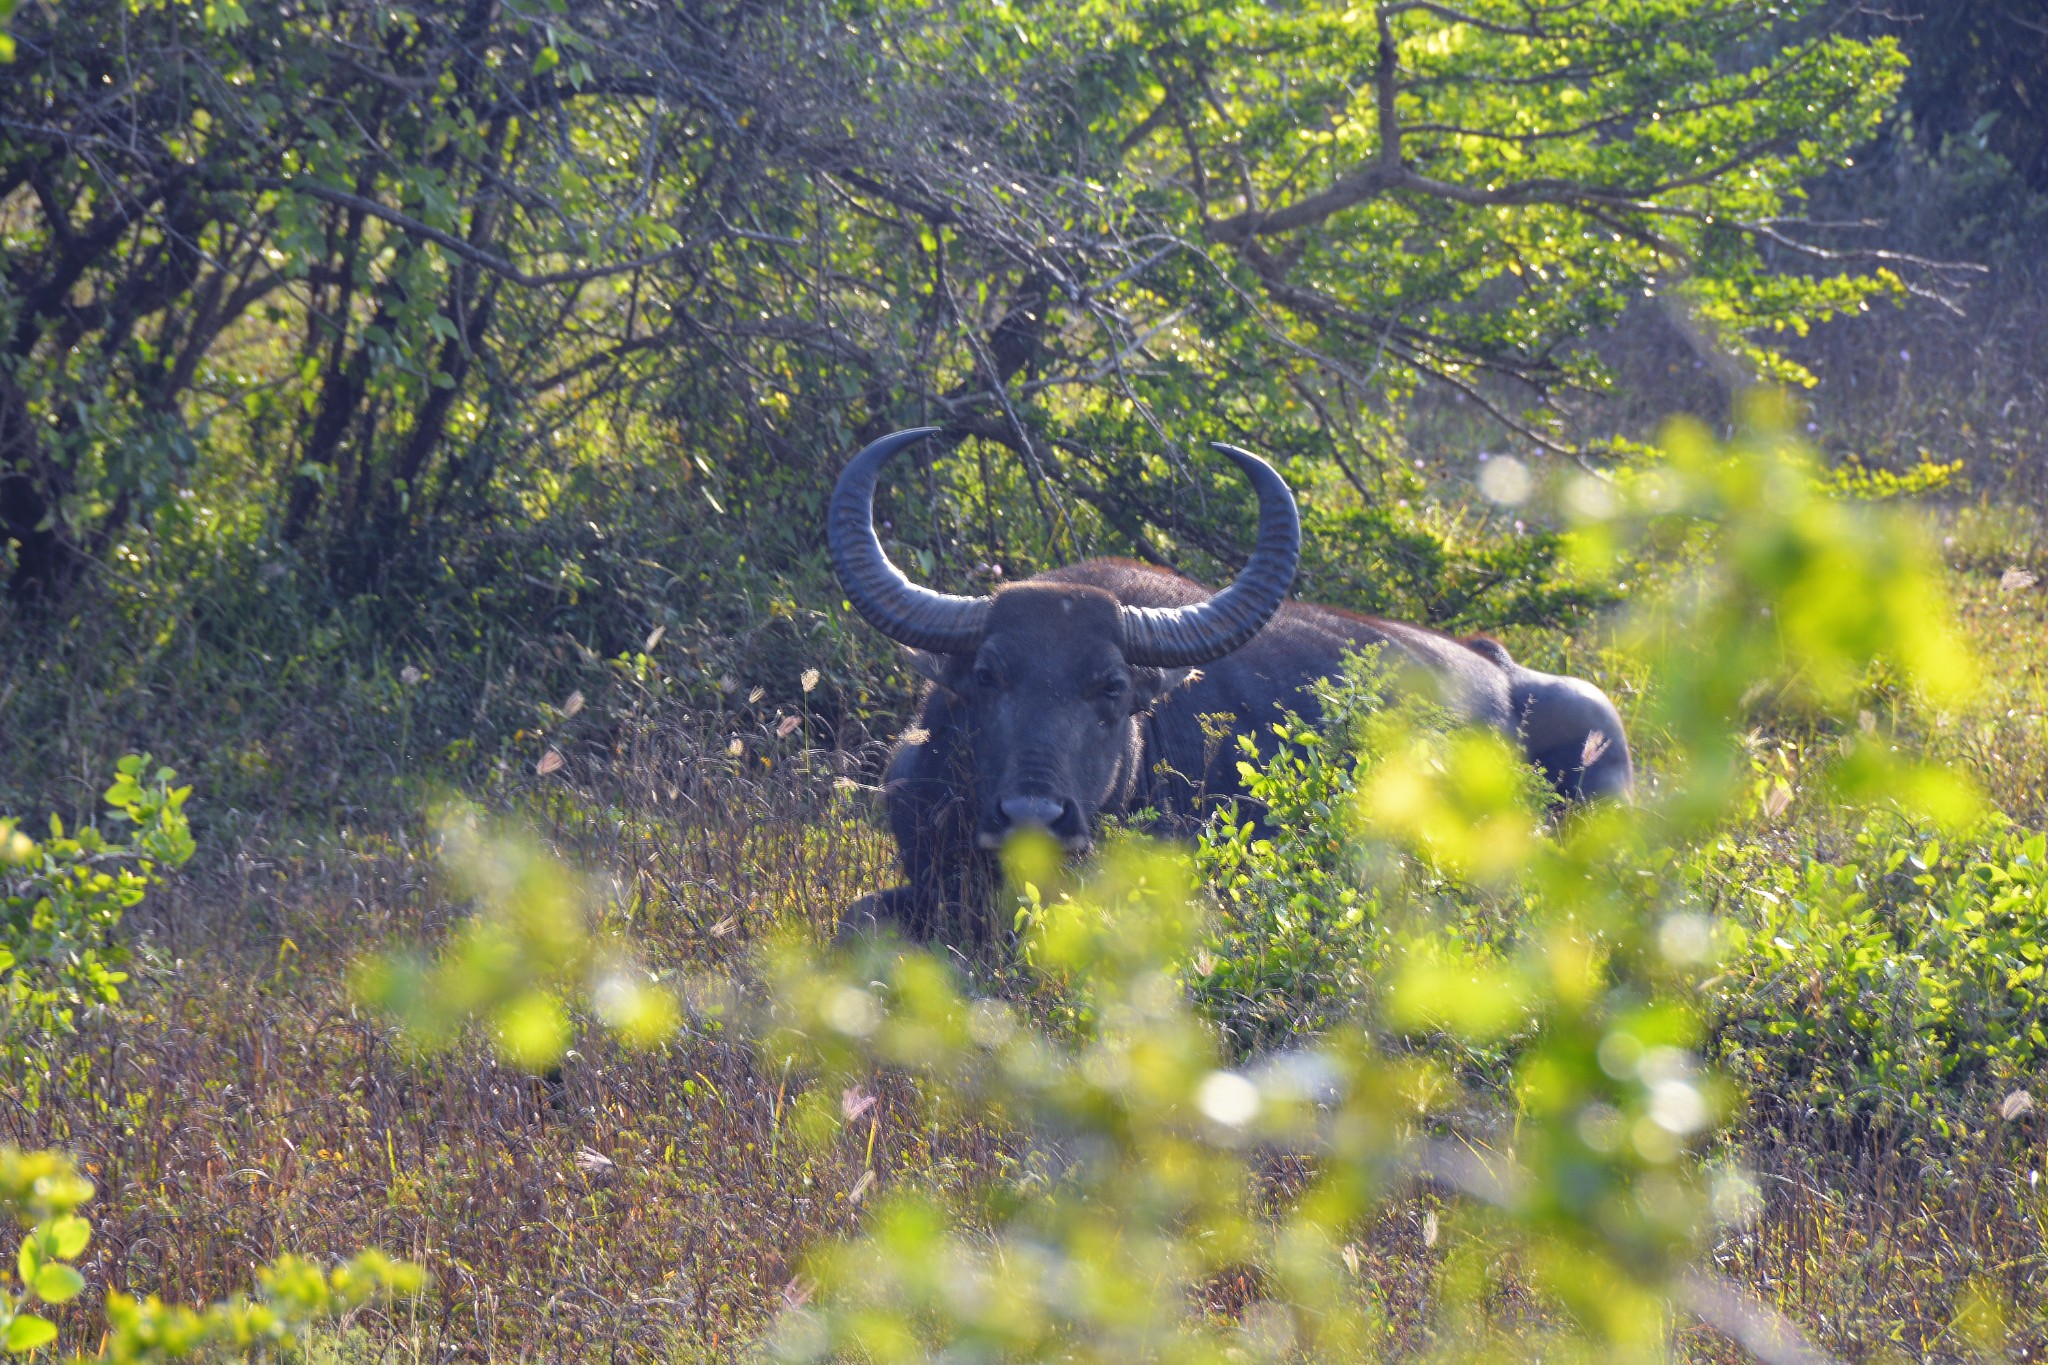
[(1866, 965), (1874, 996)]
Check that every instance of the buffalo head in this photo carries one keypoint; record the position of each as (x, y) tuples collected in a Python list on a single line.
[(1044, 681)]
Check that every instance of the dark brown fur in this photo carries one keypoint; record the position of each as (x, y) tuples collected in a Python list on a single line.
[(1046, 724)]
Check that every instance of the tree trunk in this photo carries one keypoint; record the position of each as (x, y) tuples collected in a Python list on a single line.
[(31, 484)]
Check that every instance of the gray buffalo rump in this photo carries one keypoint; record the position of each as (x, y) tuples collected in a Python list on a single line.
[(1107, 687)]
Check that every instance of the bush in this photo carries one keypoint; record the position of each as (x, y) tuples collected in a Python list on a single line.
[(62, 898), (1901, 980), (1309, 915), (61, 901), (1871, 971)]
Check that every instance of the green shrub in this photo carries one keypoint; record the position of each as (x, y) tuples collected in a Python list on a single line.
[(62, 898), (1309, 915), (1900, 976), (61, 903), (1904, 978)]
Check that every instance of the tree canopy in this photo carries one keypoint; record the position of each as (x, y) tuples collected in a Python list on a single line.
[(352, 278)]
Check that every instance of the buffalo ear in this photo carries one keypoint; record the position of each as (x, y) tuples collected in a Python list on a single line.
[(1154, 685), (934, 668)]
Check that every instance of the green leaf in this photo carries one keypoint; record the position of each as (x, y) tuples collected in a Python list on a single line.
[(58, 1284), (28, 1332), (68, 1234), (533, 1031), (548, 60)]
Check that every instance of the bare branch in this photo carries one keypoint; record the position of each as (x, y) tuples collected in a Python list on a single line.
[(456, 246), (1458, 16)]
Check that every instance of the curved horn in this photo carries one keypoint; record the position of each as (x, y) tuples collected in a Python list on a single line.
[(894, 605), (1181, 637)]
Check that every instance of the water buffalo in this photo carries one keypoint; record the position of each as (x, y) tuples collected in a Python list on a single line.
[(1100, 688)]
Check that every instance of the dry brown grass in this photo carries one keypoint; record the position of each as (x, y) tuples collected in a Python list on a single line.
[(1879, 1241), (635, 1205)]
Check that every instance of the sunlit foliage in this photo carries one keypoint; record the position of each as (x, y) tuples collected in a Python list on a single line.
[(1582, 1172), (44, 1192), (62, 898), (527, 950), (364, 281)]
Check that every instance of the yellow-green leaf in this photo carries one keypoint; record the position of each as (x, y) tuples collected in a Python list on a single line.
[(27, 1332), (58, 1283), (68, 1235)]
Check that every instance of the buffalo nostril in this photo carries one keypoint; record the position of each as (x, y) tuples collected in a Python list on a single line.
[(1032, 810)]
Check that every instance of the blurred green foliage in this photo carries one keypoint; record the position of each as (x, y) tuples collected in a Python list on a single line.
[(517, 962), (1797, 596), (43, 1191), (1582, 943), (1310, 919), (40, 1190)]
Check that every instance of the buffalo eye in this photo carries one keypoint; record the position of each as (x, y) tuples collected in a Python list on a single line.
[(1110, 692), (984, 676)]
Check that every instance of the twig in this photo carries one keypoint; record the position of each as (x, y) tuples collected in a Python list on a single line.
[(496, 264)]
